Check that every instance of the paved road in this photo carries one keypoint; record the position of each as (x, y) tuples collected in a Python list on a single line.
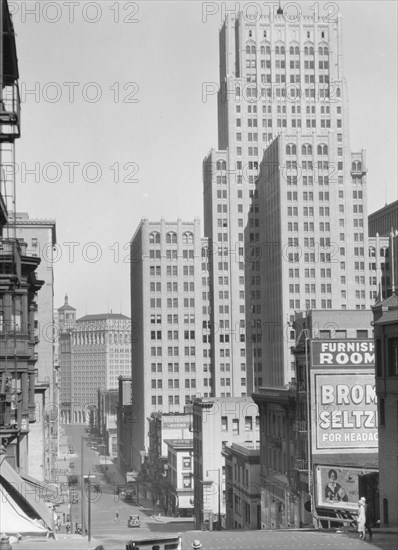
[(114, 534), (286, 540)]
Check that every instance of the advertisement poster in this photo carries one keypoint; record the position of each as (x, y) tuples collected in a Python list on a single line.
[(345, 412), (338, 487), (347, 353)]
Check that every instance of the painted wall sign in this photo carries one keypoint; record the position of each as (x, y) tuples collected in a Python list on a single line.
[(343, 353)]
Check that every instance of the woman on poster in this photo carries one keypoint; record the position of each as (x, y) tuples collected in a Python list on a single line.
[(334, 492)]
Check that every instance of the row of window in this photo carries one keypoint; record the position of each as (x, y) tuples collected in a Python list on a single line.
[(172, 319), (173, 351), (171, 271), (171, 238), (171, 254), (281, 50), (172, 286), (173, 399), (174, 367), (158, 384)]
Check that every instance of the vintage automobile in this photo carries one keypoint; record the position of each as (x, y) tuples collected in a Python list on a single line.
[(134, 521)]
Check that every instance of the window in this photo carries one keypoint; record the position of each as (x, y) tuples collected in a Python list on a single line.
[(248, 423), (235, 426), (154, 238), (224, 423), (171, 238), (382, 411), (393, 357)]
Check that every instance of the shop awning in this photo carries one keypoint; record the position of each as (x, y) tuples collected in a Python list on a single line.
[(184, 501), (47, 491), (13, 519), (26, 496)]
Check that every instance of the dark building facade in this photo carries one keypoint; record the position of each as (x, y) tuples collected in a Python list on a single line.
[(386, 341)]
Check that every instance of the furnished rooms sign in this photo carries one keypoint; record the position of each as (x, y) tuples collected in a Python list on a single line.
[(346, 353)]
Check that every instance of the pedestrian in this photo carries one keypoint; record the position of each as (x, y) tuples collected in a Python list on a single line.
[(196, 545), (67, 526), (116, 517), (362, 518), (368, 520)]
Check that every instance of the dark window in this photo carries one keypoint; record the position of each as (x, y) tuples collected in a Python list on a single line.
[(393, 357), (379, 363), (382, 412)]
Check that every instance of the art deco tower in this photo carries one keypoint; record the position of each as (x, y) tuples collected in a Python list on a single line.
[(296, 239)]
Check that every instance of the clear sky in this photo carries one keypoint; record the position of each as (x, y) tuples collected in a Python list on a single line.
[(117, 128)]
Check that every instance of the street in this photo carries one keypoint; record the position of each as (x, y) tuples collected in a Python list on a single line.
[(113, 532)]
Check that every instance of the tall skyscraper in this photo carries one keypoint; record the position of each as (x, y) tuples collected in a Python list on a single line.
[(169, 307), (297, 239)]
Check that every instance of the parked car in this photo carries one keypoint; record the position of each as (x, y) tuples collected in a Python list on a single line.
[(134, 521)]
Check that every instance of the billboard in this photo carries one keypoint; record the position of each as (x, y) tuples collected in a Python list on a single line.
[(337, 487), (338, 353), (343, 397)]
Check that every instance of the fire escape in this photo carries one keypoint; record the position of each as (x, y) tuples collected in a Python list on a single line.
[(18, 283)]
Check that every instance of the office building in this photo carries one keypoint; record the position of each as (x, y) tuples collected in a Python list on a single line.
[(94, 351), (282, 104), (168, 293), (384, 220), (383, 251), (65, 320)]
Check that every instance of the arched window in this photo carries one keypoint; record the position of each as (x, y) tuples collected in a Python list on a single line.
[(372, 252), (268, 50), (283, 51), (290, 149), (306, 149), (305, 50), (218, 165), (262, 50), (247, 49), (237, 91), (116, 339), (253, 49), (311, 50), (223, 165), (154, 238), (338, 92), (291, 50), (171, 238), (277, 50), (110, 339), (322, 149), (297, 50), (187, 238), (320, 50), (357, 166)]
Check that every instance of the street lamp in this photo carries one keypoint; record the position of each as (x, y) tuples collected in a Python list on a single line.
[(219, 495), (306, 332), (89, 478), (82, 479)]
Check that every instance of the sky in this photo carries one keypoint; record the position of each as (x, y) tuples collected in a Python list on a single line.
[(115, 126)]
